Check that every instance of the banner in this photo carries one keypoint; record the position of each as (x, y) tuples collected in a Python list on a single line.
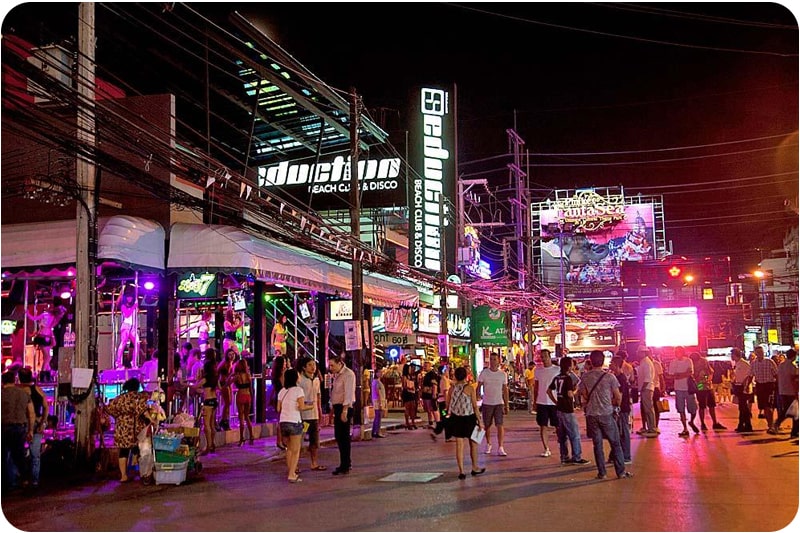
[(489, 327)]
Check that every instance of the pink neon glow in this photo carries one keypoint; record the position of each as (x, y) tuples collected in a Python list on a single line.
[(675, 326), (149, 285), (66, 295)]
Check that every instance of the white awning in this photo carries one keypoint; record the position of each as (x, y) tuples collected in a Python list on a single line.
[(229, 249), (49, 248)]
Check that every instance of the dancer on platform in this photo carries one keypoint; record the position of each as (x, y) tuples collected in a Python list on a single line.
[(231, 327), (128, 306), (43, 339)]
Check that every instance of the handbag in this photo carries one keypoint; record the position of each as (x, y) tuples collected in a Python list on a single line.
[(691, 385), (663, 405)]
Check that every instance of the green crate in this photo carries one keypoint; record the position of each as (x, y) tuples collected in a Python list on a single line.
[(170, 457)]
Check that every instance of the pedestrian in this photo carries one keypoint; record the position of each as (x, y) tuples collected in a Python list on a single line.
[(562, 391), (530, 375), (41, 409), (409, 395), (127, 410), (765, 374), (225, 372), (493, 388), (429, 392), (278, 369), (379, 404), (343, 396), (600, 393), (787, 390), (624, 419), (18, 421), (291, 402), (207, 385), (444, 388), (244, 398), (681, 369), (741, 390), (646, 384), (704, 377), (462, 408), (546, 414), (310, 383), (659, 390), (128, 306)]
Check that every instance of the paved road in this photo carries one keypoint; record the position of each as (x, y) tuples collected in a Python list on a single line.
[(715, 481)]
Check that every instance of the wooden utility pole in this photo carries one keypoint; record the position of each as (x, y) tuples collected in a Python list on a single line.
[(86, 245), (357, 273)]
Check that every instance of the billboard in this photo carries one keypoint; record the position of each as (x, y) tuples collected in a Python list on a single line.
[(431, 187), (489, 327), (671, 326), (325, 184), (591, 256)]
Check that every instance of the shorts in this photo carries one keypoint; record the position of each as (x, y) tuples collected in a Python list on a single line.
[(42, 340), (429, 405), (705, 398), (546, 415), (462, 426), (210, 402), (684, 401), (492, 412), (313, 433), (765, 394), (290, 429)]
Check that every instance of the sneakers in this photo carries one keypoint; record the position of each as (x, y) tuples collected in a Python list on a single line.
[(628, 461), (600, 476), (580, 461), (625, 475), (650, 434), (545, 453), (501, 452), (488, 449), (683, 434), (718, 426)]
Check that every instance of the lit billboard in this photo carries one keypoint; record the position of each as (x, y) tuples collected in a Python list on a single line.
[(431, 187), (673, 326), (592, 254)]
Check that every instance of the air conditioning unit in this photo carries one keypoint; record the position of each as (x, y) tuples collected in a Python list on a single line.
[(56, 62)]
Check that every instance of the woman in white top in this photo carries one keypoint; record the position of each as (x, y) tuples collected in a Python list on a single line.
[(291, 401)]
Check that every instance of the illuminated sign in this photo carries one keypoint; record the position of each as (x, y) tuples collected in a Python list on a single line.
[(673, 326), (341, 310), (197, 286), (432, 186), (7, 327), (327, 184), (589, 211), (428, 321)]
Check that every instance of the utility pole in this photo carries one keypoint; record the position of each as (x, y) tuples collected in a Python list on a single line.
[(357, 274), (86, 245), (517, 178)]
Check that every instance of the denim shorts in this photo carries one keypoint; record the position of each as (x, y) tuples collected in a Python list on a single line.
[(291, 428)]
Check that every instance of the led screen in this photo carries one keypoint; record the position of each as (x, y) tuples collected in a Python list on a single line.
[(676, 326)]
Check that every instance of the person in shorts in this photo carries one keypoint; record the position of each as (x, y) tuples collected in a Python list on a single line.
[(546, 413), (310, 383), (493, 384), (681, 368)]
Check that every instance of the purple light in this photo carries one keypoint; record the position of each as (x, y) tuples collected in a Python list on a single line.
[(66, 295), (149, 285), (70, 271)]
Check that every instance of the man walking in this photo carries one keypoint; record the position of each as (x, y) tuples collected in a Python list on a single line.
[(546, 414), (493, 386), (530, 375), (765, 373), (343, 396), (18, 419), (646, 384), (562, 391), (703, 375), (787, 390), (309, 382), (741, 390), (681, 368), (600, 393)]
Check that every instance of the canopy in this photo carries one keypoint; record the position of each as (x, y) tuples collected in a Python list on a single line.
[(49, 248), (229, 249)]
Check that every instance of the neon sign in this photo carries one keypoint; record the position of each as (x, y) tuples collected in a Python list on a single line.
[(197, 286), (589, 211)]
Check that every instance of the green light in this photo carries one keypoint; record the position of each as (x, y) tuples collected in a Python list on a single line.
[(267, 297)]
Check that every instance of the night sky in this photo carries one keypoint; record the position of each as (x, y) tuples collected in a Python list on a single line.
[(698, 102)]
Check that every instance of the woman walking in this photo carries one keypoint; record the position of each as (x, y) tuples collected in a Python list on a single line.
[(462, 408), (291, 401), (409, 396), (208, 383)]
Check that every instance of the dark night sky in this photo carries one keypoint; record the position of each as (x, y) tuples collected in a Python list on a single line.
[(680, 93)]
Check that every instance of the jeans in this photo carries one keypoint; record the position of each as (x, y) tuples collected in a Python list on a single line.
[(341, 431), (36, 457), (600, 427), (648, 413), (568, 429), (376, 423), (624, 426), (13, 448)]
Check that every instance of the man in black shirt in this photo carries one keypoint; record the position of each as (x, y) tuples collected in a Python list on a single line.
[(562, 391)]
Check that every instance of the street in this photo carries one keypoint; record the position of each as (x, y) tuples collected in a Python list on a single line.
[(714, 481)]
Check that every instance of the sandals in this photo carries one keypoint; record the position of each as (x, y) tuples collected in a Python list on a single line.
[(295, 480), (319, 467)]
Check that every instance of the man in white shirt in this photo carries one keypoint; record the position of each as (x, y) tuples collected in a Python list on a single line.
[(646, 384), (343, 396), (309, 382), (546, 412), (493, 385), (148, 372)]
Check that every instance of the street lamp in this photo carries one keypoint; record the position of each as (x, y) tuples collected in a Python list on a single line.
[(562, 229)]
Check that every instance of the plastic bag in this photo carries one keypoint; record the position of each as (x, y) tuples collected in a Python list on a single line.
[(792, 409)]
